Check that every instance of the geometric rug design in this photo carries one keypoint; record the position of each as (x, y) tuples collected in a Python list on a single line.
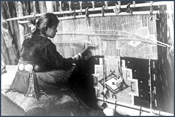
[(114, 83), (113, 80)]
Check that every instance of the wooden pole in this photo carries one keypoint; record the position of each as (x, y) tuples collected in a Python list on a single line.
[(8, 42), (150, 85), (170, 21), (7, 11), (60, 6), (80, 2), (8, 50), (81, 16), (129, 109), (49, 6), (106, 4), (34, 6), (42, 7), (70, 2), (4, 52), (21, 27), (55, 5), (93, 5), (99, 9)]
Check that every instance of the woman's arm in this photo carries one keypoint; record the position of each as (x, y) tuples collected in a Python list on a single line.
[(54, 58)]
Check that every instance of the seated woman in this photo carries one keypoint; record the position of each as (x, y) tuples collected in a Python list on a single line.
[(41, 69)]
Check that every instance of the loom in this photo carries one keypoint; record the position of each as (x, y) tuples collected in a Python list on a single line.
[(131, 67)]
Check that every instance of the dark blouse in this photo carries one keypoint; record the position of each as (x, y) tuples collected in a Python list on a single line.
[(42, 50)]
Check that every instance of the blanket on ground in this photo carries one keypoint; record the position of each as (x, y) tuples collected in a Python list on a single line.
[(62, 104)]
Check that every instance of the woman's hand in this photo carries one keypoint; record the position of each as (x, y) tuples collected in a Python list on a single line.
[(86, 53), (91, 46)]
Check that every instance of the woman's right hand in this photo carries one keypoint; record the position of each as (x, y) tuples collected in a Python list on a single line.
[(87, 49), (86, 53)]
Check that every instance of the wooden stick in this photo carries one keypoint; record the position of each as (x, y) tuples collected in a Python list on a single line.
[(60, 8), (69, 2), (49, 6), (119, 35), (34, 7), (24, 17), (122, 39), (42, 7), (80, 2), (96, 9), (93, 4), (134, 3), (4, 52), (88, 34), (80, 16), (106, 4), (104, 76), (7, 39), (23, 22), (129, 107), (150, 84), (21, 27), (106, 14), (130, 39)]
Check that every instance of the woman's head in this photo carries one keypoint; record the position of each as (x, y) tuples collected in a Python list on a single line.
[(47, 25)]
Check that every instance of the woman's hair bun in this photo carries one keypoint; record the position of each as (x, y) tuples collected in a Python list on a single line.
[(32, 25)]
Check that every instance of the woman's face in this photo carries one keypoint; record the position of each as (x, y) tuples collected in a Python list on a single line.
[(51, 31)]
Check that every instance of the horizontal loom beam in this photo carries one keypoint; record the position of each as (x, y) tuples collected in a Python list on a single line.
[(96, 9)]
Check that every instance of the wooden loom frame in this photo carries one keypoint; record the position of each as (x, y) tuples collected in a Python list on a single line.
[(100, 15)]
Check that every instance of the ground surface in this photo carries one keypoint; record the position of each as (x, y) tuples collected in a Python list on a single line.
[(8, 108)]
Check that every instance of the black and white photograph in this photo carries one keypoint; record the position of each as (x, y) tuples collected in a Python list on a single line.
[(87, 58)]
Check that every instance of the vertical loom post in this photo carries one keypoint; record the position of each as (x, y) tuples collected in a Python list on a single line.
[(93, 5), (119, 3), (87, 16), (80, 2), (150, 84), (8, 38), (60, 3), (42, 7), (104, 75), (21, 27), (106, 4), (134, 2), (70, 2), (49, 6), (34, 6), (170, 22)]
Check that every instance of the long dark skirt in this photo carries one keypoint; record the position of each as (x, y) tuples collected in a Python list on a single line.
[(49, 83), (53, 81)]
